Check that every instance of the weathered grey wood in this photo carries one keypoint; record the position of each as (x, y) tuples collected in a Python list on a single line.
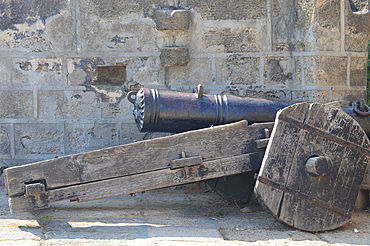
[(209, 153), (37, 188), (136, 183), (294, 195), (262, 143), (185, 162), (155, 154)]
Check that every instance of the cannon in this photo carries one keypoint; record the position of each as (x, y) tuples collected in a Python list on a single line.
[(174, 112), (310, 157)]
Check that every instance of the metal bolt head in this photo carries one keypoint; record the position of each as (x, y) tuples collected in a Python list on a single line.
[(318, 166)]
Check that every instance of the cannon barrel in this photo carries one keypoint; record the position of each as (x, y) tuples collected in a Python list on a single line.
[(168, 111)]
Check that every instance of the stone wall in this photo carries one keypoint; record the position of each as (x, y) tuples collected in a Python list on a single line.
[(67, 65)]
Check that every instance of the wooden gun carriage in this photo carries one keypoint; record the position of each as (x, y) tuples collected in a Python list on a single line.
[(310, 161)]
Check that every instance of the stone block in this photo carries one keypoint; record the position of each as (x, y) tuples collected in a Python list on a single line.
[(38, 26), (76, 139), (268, 93), (297, 74), (356, 41), (230, 10), (87, 137), (229, 90), (305, 12), (114, 9), (234, 39), (239, 70), (308, 20), (67, 104), (326, 70), (321, 96), (174, 56), (4, 71), (87, 71), (357, 30), (130, 134), (106, 93), (358, 71), (345, 97), (279, 71), (5, 139), (120, 110), (251, 91), (16, 104), (197, 71), (83, 71), (124, 34), (113, 110), (172, 19), (37, 139), (37, 71), (328, 38), (214, 10), (326, 27), (139, 70), (282, 23), (142, 71)]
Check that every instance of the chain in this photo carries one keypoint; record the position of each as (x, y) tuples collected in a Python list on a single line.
[(361, 108)]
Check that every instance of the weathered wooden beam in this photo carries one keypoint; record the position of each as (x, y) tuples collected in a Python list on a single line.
[(136, 183), (143, 156), (151, 164)]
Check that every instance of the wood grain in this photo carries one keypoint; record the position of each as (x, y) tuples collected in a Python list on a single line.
[(136, 183), (210, 153), (293, 195), (143, 156)]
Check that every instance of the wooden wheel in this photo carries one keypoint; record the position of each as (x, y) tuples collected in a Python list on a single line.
[(313, 167)]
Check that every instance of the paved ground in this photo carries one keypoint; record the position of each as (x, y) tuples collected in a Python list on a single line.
[(164, 217)]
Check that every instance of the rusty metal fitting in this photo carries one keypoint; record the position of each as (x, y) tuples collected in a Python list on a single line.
[(361, 108), (318, 165)]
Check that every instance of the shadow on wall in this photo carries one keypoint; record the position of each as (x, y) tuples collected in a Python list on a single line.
[(359, 6)]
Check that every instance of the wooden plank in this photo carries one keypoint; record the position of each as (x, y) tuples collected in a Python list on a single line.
[(154, 154), (313, 203), (186, 162), (137, 183), (277, 159), (262, 143)]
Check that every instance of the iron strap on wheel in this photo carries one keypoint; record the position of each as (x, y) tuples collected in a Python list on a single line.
[(326, 135), (305, 197)]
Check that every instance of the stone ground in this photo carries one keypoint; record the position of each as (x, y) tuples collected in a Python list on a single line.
[(164, 217)]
